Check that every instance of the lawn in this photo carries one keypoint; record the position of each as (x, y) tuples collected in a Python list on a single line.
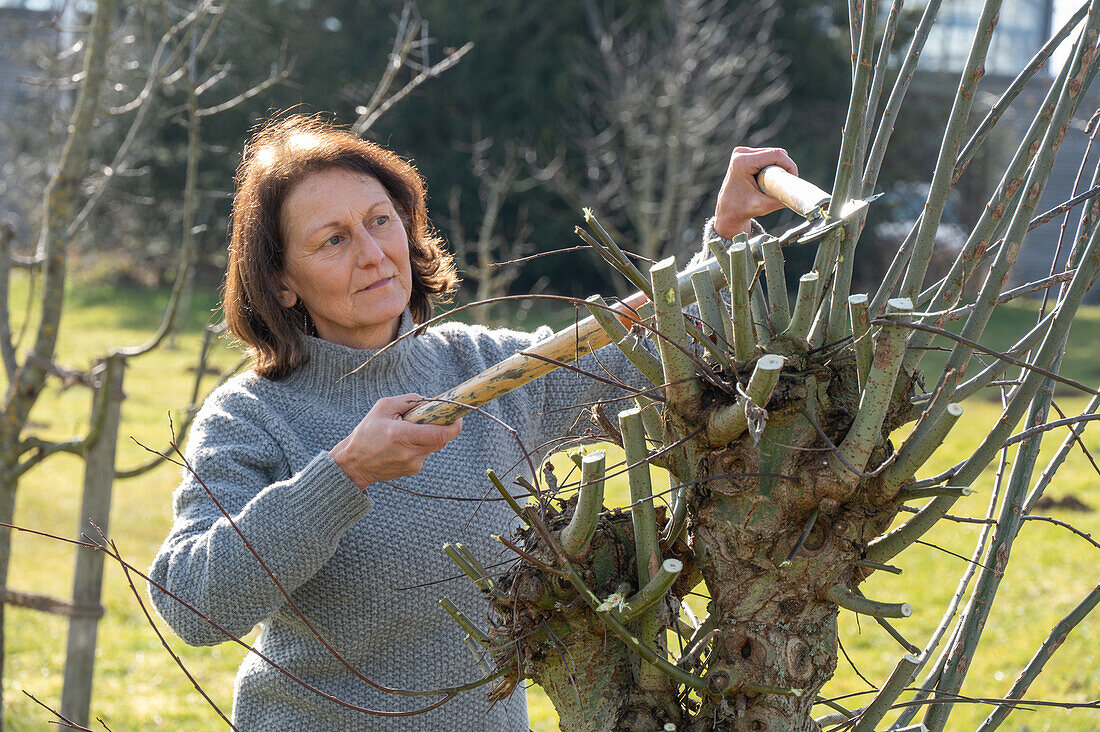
[(138, 687)]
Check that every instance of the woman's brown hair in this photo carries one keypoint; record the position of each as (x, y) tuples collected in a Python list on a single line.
[(278, 155)]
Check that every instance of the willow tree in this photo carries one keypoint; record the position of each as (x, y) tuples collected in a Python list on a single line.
[(792, 430)]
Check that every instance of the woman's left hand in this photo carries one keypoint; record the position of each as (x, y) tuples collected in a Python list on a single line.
[(383, 446), (740, 199)]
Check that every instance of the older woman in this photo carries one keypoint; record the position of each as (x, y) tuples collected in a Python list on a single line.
[(331, 259)]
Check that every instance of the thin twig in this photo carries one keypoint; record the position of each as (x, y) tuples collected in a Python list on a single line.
[(1049, 519), (114, 553)]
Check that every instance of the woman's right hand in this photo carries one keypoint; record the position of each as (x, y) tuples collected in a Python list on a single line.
[(740, 198), (383, 446)]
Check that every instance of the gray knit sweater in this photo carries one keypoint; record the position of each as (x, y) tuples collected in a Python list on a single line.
[(357, 565)]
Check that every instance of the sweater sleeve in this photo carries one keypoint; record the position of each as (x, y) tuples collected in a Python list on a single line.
[(292, 521)]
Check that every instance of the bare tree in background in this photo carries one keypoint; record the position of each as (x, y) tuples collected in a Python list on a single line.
[(124, 89), (485, 256), (655, 103)]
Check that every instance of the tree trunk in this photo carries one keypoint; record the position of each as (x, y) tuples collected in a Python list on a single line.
[(58, 202), (774, 629)]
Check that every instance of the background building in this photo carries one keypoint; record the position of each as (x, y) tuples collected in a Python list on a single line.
[(1023, 27), (27, 29)]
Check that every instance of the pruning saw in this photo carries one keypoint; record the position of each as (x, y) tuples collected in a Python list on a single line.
[(809, 202), (801, 196)]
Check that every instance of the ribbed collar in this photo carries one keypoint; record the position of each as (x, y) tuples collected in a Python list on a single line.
[(329, 364)]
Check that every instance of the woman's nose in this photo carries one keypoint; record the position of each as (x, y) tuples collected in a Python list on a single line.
[(368, 250)]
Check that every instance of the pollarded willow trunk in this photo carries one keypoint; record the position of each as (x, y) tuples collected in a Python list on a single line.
[(778, 543), (774, 419), (772, 523)]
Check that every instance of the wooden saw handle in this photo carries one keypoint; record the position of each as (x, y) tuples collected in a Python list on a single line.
[(526, 366), (801, 196)]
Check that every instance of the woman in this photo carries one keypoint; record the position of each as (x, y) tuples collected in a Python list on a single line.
[(331, 259)]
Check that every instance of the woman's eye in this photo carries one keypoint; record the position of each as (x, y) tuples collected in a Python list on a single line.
[(333, 240), (381, 220)]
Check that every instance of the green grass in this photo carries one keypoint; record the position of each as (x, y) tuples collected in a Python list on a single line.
[(137, 686)]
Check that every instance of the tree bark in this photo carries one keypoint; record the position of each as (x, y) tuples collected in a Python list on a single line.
[(58, 202)]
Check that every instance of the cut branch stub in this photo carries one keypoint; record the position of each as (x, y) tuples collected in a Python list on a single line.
[(901, 677), (774, 268), (711, 310), (721, 256), (861, 340), (508, 497), (764, 329), (682, 388), (477, 576), (576, 536), (653, 591), (916, 494), (916, 451), (845, 598), (729, 421), (805, 305), (866, 430), (464, 622), (744, 335), (888, 546)]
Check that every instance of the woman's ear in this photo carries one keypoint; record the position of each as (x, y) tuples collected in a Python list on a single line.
[(288, 298)]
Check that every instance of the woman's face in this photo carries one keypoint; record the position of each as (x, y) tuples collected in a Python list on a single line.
[(346, 258)]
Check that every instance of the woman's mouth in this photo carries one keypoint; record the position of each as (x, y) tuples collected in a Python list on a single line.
[(377, 285)]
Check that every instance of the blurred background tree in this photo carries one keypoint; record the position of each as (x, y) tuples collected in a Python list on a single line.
[(519, 86)]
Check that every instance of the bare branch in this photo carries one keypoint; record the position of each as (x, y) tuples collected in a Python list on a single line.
[(369, 117), (7, 347)]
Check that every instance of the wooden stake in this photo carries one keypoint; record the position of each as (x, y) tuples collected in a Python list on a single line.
[(99, 473)]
